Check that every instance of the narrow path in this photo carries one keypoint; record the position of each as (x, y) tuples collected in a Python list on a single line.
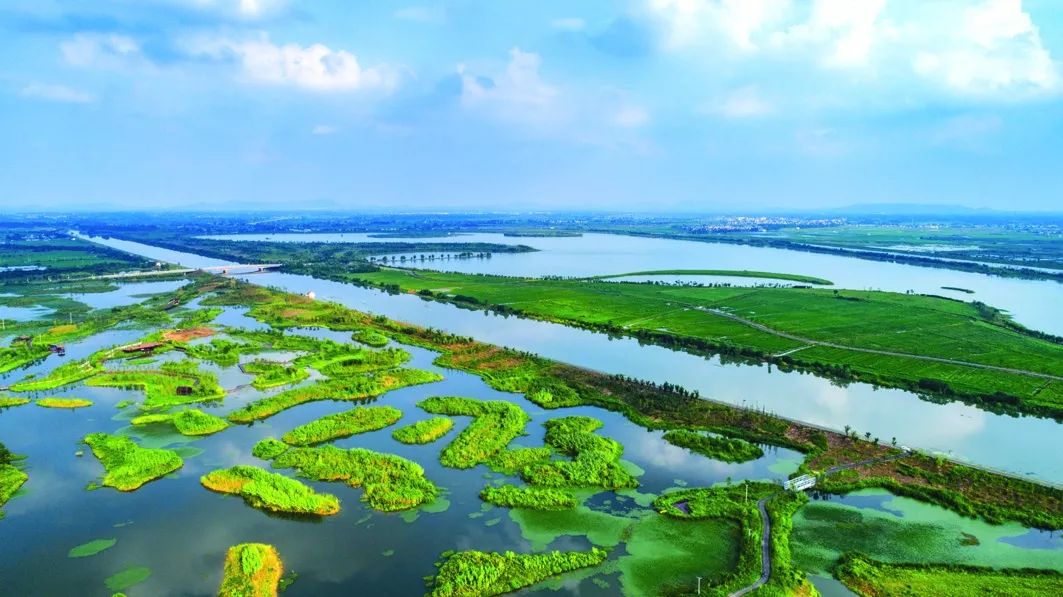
[(920, 357), (765, 551)]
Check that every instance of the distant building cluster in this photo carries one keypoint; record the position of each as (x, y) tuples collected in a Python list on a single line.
[(762, 224)]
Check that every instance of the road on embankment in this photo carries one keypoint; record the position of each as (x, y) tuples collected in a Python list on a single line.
[(765, 551), (920, 357)]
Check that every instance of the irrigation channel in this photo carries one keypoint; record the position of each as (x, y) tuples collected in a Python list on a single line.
[(1027, 446)]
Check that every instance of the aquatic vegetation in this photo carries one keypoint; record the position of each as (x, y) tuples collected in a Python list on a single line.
[(342, 360), (496, 423), (391, 483), (174, 383), (360, 419), (251, 570), (424, 432), (534, 498), (269, 448), (512, 462), (220, 351), (91, 548), (10, 480), (271, 491), (127, 465), (270, 374), (869, 578), (742, 273), (480, 574), (187, 422), (595, 459), (370, 337), (552, 394), (719, 448), (63, 402), (10, 401), (354, 388), (128, 578), (64, 374)]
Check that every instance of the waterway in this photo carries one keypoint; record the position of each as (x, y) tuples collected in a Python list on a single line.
[(1025, 446)]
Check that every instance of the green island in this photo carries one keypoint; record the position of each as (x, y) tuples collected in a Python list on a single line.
[(191, 422), (869, 578), (478, 573), (127, 465), (270, 374), (68, 403), (342, 360), (91, 548), (595, 459), (742, 273), (361, 419), (1004, 367), (424, 432), (251, 570), (495, 423), (719, 448), (512, 461), (11, 478), (740, 504), (391, 483), (271, 491), (535, 498), (173, 384), (370, 337), (346, 389), (12, 401)]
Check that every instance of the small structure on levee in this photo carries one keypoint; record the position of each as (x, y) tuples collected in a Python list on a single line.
[(800, 483), (310, 295)]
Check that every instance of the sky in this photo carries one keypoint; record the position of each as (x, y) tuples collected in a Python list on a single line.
[(531, 105)]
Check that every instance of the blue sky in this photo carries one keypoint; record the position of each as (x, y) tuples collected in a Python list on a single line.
[(643, 104)]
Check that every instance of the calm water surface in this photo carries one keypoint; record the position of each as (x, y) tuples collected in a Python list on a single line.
[(1022, 445)]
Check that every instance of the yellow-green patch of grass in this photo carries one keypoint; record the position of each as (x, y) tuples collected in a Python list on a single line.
[(424, 432), (63, 402), (478, 573), (271, 491), (251, 570), (361, 419), (10, 401), (190, 422)]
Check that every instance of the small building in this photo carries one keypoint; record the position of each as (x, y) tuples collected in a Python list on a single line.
[(184, 390), (310, 295), (142, 347)]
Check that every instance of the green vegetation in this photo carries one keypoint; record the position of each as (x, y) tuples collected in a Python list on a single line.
[(64, 374), (91, 548), (10, 478), (360, 419), (719, 448), (270, 374), (127, 578), (128, 465), (63, 402), (10, 401), (535, 498), (743, 273), (739, 503), (496, 423), (174, 383), (370, 338), (869, 578), (222, 352), (59, 257), (187, 422), (269, 448), (480, 574), (271, 491), (391, 483), (424, 432), (595, 459), (877, 337), (512, 462), (343, 360), (251, 570), (355, 388)]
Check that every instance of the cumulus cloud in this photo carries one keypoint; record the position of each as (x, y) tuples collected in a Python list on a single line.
[(518, 93), (315, 67), (686, 22), (56, 93)]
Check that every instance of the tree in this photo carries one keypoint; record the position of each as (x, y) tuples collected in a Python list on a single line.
[(867, 435)]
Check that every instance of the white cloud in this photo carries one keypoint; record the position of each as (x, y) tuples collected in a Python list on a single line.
[(100, 50), (631, 116), (745, 102), (996, 49), (844, 31), (692, 22), (246, 9), (569, 24), (518, 93), (315, 67), (420, 14), (56, 93), (323, 129)]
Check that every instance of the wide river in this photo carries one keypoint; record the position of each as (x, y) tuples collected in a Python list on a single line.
[(1022, 445), (1033, 303)]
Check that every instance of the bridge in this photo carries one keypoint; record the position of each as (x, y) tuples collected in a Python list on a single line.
[(225, 270)]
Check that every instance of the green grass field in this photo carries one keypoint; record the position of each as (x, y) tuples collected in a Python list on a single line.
[(866, 320)]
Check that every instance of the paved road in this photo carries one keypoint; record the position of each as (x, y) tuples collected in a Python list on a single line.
[(765, 551), (764, 328)]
